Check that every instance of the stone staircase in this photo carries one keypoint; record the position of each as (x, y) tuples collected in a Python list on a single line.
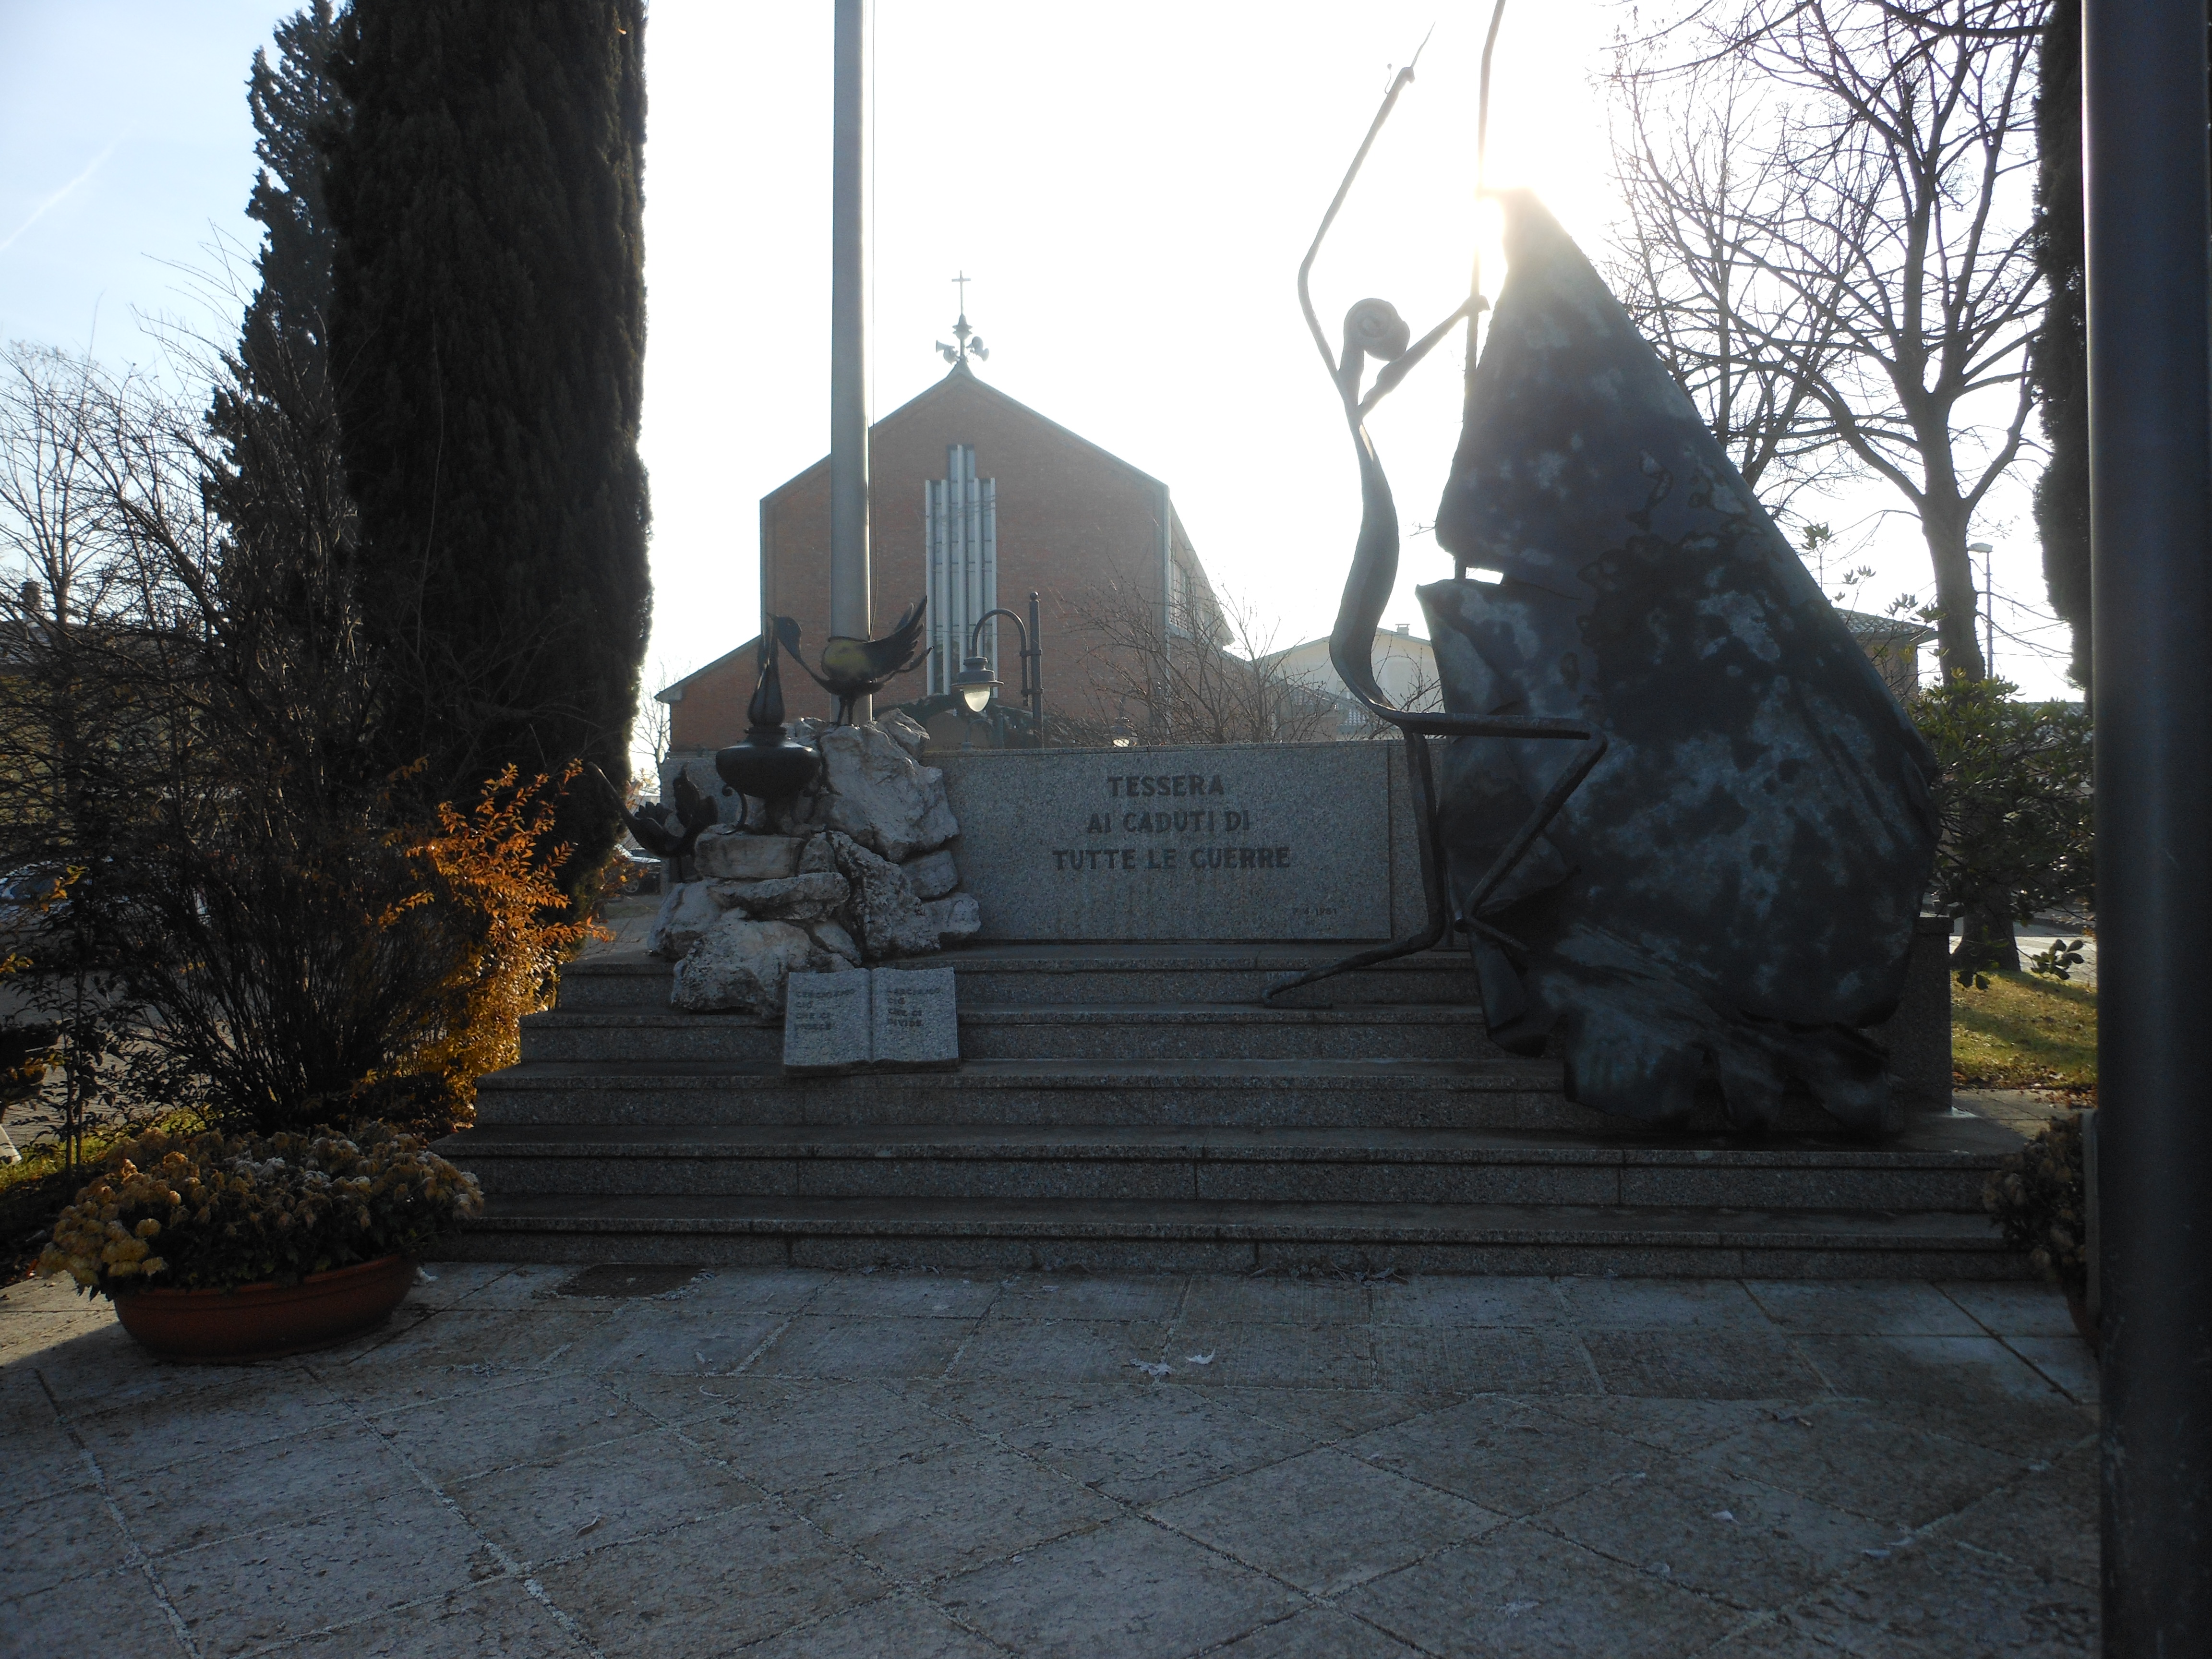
[(1132, 1107)]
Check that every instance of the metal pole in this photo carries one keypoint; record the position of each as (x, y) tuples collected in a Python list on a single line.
[(2150, 448), (1034, 673), (850, 599), (1989, 614)]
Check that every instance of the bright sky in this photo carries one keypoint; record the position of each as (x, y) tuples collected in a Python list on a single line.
[(1131, 188)]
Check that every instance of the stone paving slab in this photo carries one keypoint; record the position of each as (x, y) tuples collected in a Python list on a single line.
[(780, 1462)]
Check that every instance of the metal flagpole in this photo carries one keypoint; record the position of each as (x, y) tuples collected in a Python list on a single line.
[(2150, 216), (850, 599)]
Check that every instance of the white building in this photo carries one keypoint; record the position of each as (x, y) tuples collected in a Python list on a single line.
[(1405, 668)]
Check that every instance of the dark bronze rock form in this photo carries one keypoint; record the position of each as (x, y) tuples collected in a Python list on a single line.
[(1736, 883), (664, 832), (767, 765), (853, 669)]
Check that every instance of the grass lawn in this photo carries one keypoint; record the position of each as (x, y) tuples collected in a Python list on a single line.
[(2024, 1033)]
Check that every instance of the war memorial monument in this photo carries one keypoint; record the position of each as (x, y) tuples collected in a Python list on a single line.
[(1615, 964)]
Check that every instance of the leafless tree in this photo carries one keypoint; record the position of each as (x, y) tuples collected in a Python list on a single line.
[(1704, 190), (1203, 677), (651, 735), (251, 920), (1886, 201)]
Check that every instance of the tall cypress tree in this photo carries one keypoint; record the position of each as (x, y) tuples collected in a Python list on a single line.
[(280, 486), (487, 339), (2060, 361)]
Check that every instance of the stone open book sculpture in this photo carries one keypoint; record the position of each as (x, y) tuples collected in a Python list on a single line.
[(1720, 880)]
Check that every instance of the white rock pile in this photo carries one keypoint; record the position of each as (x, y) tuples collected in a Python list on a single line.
[(853, 870)]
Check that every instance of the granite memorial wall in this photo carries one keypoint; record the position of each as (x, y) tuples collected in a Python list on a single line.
[(1244, 841)]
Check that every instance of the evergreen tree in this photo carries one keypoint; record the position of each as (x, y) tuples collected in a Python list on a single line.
[(298, 111), (278, 483), (2060, 359), (487, 335)]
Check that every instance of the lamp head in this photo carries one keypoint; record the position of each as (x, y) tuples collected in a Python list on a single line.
[(976, 683)]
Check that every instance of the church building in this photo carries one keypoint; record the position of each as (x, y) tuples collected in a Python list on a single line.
[(977, 500)]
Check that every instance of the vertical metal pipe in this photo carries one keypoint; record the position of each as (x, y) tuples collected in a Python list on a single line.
[(933, 520), (1033, 674), (956, 520), (971, 550), (987, 491), (850, 599), (2149, 215)]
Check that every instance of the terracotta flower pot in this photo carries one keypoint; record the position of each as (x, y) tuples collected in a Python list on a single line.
[(260, 1322)]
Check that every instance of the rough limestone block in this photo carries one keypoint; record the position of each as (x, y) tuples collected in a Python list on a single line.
[(723, 854), (742, 964), (916, 1019), (789, 898), (687, 914), (954, 918), (833, 938), (818, 857), (933, 875), (827, 1023), (805, 813), (904, 729), (725, 892), (874, 792), (889, 918)]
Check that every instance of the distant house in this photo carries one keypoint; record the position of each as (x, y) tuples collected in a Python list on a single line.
[(977, 499), (1892, 646), (1405, 668)]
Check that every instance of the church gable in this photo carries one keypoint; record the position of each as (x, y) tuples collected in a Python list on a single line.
[(1068, 518)]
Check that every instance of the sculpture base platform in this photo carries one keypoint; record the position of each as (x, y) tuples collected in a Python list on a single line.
[(1130, 1107)]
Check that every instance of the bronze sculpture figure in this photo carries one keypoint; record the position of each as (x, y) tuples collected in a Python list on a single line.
[(853, 669), (1717, 883)]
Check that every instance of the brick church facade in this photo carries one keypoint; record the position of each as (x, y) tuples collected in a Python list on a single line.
[(976, 499)]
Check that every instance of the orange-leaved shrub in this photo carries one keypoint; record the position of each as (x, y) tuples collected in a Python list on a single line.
[(492, 891)]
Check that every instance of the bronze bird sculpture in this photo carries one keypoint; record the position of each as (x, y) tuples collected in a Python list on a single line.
[(664, 832), (853, 669)]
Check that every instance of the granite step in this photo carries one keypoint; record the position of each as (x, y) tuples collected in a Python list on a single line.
[(1514, 1094), (1135, 1107), (1179, 974), (1058, 1235), (1075, 1030), (1935, 1166)]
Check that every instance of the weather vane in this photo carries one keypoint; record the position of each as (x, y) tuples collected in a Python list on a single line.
[(971, 343)]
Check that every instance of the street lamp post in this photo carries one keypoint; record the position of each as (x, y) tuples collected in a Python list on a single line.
[(1989, 610), (977, 684)]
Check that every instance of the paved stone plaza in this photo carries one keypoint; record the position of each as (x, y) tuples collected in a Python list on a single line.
[(926, 1465)]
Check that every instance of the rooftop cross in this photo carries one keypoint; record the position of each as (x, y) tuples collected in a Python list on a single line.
[(971, 343)]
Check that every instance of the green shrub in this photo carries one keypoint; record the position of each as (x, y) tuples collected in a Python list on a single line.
[(2039, 1196)]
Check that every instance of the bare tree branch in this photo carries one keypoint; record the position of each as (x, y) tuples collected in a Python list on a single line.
[(1204, 677), (1829, 238)]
